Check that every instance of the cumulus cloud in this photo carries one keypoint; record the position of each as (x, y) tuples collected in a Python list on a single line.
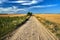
[(13, 9)]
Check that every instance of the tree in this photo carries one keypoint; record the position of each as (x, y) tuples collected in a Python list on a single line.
[(29, 13)]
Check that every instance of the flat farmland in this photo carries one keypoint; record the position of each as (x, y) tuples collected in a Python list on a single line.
[(50, 21), (51, 17), (31, 30), (11, 15)]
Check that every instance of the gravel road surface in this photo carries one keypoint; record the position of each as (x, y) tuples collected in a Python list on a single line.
[(33, 30)]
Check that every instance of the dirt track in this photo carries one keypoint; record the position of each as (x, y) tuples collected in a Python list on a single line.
[(33, 30)]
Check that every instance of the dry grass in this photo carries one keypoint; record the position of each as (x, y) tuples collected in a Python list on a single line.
[(51, 21), (51, 17), (11, 15)]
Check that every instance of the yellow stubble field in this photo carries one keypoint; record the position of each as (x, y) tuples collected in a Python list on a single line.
[(51, 17), (50, 21), (11, 15)]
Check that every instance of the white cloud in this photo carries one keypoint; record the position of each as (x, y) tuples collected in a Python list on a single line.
[(26, 2), (16, 1), (2, 1), (43, 6), (30, 3), (10, 10)]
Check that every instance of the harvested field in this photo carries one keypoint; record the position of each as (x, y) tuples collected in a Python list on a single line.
[(11, 15)]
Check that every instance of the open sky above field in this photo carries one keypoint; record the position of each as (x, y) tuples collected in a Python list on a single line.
[(24, 6)]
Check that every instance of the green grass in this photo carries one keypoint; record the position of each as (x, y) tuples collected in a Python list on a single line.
[(8, 24)]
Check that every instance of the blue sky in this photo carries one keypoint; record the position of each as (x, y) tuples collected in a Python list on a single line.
[(24, 6)]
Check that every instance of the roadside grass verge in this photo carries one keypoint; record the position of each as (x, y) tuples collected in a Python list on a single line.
[(8, 24), (52, 26)]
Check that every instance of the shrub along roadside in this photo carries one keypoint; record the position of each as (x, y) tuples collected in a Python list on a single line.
[(8, 24)]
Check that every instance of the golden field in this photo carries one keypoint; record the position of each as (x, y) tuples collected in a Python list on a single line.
[(11, 15), (51, 17), (50, 21)]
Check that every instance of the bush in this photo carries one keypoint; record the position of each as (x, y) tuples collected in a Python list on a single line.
[(29, 13)]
